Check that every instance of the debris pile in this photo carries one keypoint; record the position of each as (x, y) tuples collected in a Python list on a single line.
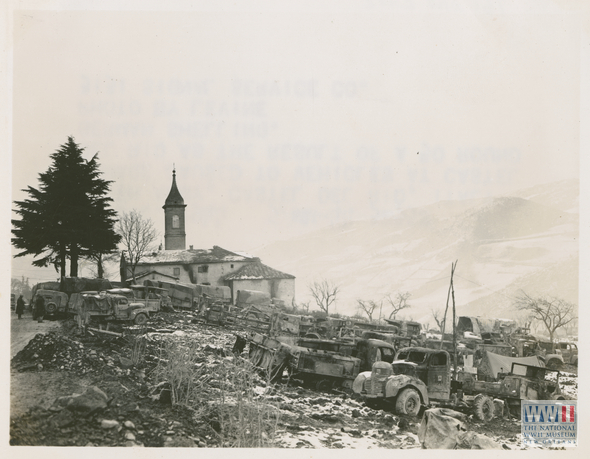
[(53, 351)]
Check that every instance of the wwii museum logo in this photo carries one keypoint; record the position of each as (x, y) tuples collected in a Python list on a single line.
[(549, 422)]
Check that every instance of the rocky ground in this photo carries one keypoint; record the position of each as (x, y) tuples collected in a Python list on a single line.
[(134, 390)]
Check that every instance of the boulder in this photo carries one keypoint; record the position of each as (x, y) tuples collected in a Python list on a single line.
[(93, 399), (109, 423)]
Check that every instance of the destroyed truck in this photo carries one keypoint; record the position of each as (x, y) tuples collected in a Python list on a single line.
[(63, 297), (523, 382), (134, 305), (323, 364), (421, 377)]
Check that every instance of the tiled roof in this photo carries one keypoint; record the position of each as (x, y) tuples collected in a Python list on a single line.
[(214, 255), (256, 270), (147, 273)]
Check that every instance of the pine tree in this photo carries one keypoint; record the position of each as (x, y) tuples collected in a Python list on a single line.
[(69, 215)]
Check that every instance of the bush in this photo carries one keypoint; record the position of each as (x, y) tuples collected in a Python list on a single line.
[(227, 392)]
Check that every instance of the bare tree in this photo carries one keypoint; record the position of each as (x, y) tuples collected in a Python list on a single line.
[(436, 315), (552, 312), (398, 303), (368, 307), (302, 307), (324, 293), (137, 237), (99, 261)]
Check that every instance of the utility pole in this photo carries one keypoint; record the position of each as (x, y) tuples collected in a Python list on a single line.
[(453, 265), (454, 334)]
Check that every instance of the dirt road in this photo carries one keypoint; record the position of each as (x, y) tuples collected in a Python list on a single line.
[(30, 389), (23, 330)]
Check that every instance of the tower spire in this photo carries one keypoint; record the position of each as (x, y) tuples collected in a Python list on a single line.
[(174, 236)]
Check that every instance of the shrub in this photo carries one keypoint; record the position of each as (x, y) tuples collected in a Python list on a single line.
[(227, 392)]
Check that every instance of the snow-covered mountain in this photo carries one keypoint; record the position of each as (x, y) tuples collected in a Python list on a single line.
[(525, 241)]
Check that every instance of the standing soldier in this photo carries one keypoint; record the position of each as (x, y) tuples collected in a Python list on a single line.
[(20, 306), (39, 308)]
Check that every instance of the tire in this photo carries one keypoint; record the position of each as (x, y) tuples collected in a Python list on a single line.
[(483, 408), (554, 364), (408, 402), (140, 319), (51, 308)]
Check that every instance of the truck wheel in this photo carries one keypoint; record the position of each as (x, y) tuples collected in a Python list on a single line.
[(483, 407), (140, 319), (51, 308), (408, 402), (554, 364)]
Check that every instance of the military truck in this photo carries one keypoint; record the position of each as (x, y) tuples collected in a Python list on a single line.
[(523, 382), (569, 352), (421, 377), (323, 364), (62, 297), (110, 307)]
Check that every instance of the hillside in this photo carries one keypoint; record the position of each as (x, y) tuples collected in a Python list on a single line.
[(528, 240)]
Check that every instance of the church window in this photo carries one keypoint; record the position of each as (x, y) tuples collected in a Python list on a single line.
[(175, 221)]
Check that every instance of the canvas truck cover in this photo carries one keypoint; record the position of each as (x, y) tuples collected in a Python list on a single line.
[(45, 286), (71, 285), (479, 325), (245, 297), (100, 303), (492, 364)]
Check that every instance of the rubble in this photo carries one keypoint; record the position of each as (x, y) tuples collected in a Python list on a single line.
[(137, 409), (53, 351)]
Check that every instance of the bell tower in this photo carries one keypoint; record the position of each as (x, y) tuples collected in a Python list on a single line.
[(174, 234)]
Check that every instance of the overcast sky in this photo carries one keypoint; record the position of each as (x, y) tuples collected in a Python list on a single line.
[(282, 122)]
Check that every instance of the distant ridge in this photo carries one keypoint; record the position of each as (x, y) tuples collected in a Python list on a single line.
[(527, 240)]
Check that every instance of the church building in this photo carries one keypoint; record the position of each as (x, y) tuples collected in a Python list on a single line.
[(215, 267)]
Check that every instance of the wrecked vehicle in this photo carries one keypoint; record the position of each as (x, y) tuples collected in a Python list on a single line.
[(324, 364), (56, 303), (523, 382), (416, 376), (406, 327), (328, 364), (421, 377), (551, 354), (62, 297), (119, 305), (569, 352)]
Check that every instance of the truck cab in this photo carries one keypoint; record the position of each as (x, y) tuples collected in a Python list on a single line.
[(412, 379)]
